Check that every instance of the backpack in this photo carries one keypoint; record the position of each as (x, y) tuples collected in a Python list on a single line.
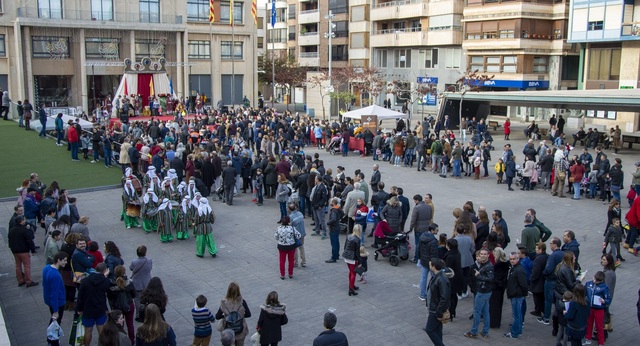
[(122, 302), (234, 321)]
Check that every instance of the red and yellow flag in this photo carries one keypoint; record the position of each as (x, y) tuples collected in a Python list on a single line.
[(231, 12), (212, 12), (254, 11), (152, 90)]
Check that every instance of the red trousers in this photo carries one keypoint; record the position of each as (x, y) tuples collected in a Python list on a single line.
[(286, 255), (352, 275), (596, 315), (23, 260)]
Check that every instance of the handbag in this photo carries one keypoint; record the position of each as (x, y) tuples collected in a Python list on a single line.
[(359, 270), (221, 325), (571, 179), (77, 276), (562, 175), (446, 317)]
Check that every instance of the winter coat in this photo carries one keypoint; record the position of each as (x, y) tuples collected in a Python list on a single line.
[(92, 297), (517, 286), (566, 280), (282, 193), (452, 261), (421, 217), (270, 174), (537, 279), (598, 289), (428, 248), (483, 282), (393, 215), (335, 215), (270, 323), (440, 289)]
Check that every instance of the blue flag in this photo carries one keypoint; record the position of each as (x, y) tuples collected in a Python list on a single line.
[(273, 13), (171, 84)]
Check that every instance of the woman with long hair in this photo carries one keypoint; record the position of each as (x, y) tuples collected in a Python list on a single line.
[(282, 194), (577, 315), (351, 256), (63, 204), (500, 273), (566, 280), (120, 284), (62, 224), (609, 270), (155, 331), (482, 228), (272, 317), (114, 258), (452, 260), (153, 294), (233, 302), (69, 247), (113, 332), (286, 236)]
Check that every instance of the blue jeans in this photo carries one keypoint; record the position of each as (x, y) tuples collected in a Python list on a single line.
[(615, 191), (434, 329), (59, 135), (375, 154), (43, 132), (96, 154), (319, 218), (592, 189), (416, 237), (549, 297), (481, 308), (302, 205), (456, 167), (259, 195), (106, 150), (335, 244), (74, 151), (516, 309), (345, 149), (283, 209), (424, 278), (408, 157), (576, 190)]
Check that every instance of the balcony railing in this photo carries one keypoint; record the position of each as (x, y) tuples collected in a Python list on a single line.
[(124, 17), (309, 11), (278, 40), (395, 31), (309, 33), (397, 3), (630, 30), (308, 55)]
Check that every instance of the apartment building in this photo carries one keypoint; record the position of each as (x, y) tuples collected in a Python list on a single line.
[(71, 53), (608, 35)]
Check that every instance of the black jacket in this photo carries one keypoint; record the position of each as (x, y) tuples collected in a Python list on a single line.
[(335, 215), (566, 280), (440, 294), (229, 176), (319, 196), (453, 262), (428, 248), (330, 338), (483, 282), (270, 323), (92, 298), (517, 285), (352, 248), (21, 239), (537, 279)]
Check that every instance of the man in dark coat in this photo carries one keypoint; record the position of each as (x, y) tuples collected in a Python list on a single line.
[(217, 168), (228, 181), (517, 291), (330, 337), (207, 173), (420, 221), (335, 215), (428, 249), (177, 164), (537, 279), (375, 178), (21, 243), (440, 289), (92, 300), (404, 205)]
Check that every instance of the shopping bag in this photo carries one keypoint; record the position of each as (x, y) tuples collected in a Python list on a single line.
[(54, 333), (76, 336)]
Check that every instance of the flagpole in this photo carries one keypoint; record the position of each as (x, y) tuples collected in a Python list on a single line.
[(210, 62), (233, 62)]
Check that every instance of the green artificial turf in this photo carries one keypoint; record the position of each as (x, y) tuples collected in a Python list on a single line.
[(23, 152)]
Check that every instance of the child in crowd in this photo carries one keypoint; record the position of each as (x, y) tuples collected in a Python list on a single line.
[(593, 181), (363, 267), (259, 185), (86, 140), (52, 246), (613, 236), (202, 319), (598, 299), (500, 168), (631, 195), (562, 306), (94, 250)]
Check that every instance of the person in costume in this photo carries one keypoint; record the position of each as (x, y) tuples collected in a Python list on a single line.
[(173, 176), (137, 185), (196, 201), (204, 230), (168, 190), (186, 219), (191, 189), (165, 221), (157, 186), (129, 195), (151, 172), (150, 211), (182, 190)]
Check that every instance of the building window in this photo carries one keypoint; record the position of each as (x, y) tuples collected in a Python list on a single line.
[(453, 56), (198, 10), (292, 33), (490, 35), (199, 50), (431, 58), (597, 25), (292, 11), (358, 40), (225, 50), (280, 15), (292, 52), (493, 64), (102, 9), (557, 33), (341, 29), (381, 58), (358, 13), (338, 6), (509, 64), (50, 47), (339, 53), (3, 47), (477, 63), (604, 64), (50, 9), (402, 58), (474, 36), (260, 42), (277, 36), (150, 11), (540, 64), (149, 49), (225, 12), (102, 48), (507, 33)]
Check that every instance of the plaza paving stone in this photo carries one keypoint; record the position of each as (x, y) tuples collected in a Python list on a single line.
[(386, 312)]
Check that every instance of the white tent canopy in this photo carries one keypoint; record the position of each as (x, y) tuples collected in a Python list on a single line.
[(381, 112), (160, 84)]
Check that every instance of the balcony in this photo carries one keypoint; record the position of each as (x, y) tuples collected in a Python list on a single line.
[(517, 43), (445, 35), (309, 16), (309, 59), (407, 37), (309, 39), (517, 9), (630, 31), (93, 19), (398, 10)]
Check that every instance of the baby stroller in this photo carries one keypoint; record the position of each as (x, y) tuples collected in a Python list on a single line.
[(334, 145), (519, 179), (395, 246)]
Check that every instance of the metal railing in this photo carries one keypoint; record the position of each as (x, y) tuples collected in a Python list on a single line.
[(397, 3), (309, 11), (308, 55), (309, 33), (397, 31), (124, 17)]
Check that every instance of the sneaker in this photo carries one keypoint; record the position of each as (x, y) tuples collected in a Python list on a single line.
[(586, 342), (470, 335), (508, 335), (465, 294), (486, 336), (618, 263), (535, 313), (543, 321), (93, 161), (323, 237), (32, 283), (421, 297)]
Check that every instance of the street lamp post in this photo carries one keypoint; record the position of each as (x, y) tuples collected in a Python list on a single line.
[(330, 34)]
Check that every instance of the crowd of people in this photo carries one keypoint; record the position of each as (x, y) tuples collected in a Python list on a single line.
[(263, 156)]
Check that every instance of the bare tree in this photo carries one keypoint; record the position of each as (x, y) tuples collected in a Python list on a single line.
[(319, 81), (285, 71), (470, 81)]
